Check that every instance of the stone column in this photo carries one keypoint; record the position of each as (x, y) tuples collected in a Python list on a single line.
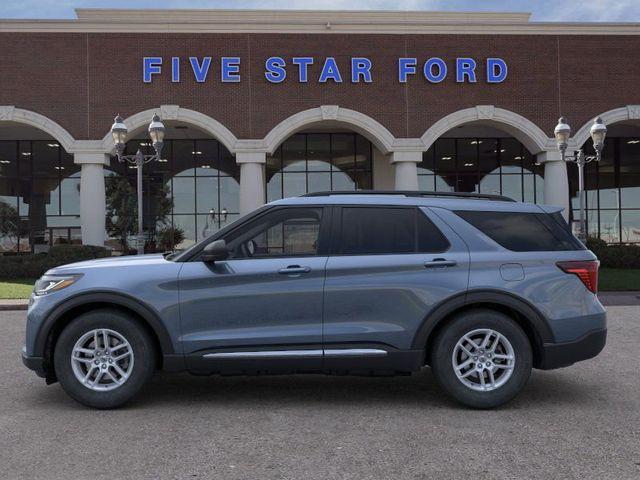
[(252, 186), (556, 182), (406, 167), (92, 197)]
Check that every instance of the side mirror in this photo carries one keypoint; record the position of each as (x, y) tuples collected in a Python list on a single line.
[(215, 251)]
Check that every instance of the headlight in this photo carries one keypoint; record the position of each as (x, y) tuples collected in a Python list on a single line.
[(53, 283)]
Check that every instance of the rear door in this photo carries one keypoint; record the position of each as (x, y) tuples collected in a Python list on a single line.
[(389, 267)]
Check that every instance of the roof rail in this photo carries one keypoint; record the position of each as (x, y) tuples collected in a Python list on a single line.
[(412, 193)]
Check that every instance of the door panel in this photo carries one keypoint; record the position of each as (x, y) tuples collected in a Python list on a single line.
[(248, 302), (384, 298), (266, 297)]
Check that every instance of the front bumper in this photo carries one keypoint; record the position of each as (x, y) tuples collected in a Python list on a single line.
[(558, 355), (34, 363)]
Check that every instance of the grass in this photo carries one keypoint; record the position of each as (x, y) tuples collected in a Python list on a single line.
[(16, 288), (611, 279)]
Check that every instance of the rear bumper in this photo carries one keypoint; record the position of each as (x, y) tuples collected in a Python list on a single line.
[(34, 363), (558, 355)]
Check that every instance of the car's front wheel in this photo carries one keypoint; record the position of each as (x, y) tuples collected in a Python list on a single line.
[(103, 358), (482, 358)]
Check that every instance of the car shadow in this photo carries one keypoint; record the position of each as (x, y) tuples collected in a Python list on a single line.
[(418, 390)]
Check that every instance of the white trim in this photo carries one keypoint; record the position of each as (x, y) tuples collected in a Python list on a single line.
[(532, 136), (177, 113), (9, 113), (629, 112), (382, 138), (309, 21)]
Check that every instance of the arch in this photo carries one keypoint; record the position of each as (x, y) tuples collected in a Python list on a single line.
[(629, 112), (177, 113), (9, 113), (527, 132), (373, 130)]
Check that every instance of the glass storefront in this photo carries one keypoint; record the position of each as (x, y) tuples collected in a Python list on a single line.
[(612, 191), (313, 162), (501, 166), (39, 196), (195, 188)]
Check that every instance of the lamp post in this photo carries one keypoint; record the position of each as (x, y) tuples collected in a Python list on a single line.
[(119, 133), (562, 133)]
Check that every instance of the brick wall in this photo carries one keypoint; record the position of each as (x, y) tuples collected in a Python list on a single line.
[(82, 80)]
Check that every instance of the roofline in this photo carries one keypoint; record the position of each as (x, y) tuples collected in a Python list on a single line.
[(311, 21)]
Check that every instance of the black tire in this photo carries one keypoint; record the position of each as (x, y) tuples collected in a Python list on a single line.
[(443, 349), (142, 345)]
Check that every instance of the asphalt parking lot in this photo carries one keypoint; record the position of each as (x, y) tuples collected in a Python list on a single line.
[(580, 422)]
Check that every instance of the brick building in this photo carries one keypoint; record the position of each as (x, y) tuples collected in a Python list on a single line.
[(264, 104)]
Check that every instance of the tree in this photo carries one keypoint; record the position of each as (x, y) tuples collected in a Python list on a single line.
[(122, 209), (9, 221)]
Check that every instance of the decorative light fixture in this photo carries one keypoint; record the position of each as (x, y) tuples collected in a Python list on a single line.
[(119, 133), (562, 133)]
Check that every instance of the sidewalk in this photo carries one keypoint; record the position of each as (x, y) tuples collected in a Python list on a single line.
[(608, 299)]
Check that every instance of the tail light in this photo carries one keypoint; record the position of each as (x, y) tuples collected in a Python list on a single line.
[(586, 271)]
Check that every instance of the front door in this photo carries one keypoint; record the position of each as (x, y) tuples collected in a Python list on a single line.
[(262, 307)]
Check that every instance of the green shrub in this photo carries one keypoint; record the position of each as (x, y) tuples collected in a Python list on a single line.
[(615, 256), (34, 265)]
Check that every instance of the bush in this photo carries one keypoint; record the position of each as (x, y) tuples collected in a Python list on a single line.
[(34, 265), (615, 256)]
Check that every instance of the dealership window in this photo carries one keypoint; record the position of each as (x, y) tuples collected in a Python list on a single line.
[(312, 162), (501, 166), (612, 191), (195, 189), (39, 196)]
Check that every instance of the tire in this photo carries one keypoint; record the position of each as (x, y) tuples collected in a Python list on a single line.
[(511, 342), (113, 387)]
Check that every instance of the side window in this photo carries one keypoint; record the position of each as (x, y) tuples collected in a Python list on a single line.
[(523, 232), (378, 230), (283, 232)]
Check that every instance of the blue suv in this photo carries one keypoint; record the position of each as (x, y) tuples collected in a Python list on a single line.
[(480, 288)]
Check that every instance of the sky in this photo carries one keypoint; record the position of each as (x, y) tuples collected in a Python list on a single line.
[(542, 10)]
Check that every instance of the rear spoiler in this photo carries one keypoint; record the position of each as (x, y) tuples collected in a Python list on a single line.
[(551, 208)]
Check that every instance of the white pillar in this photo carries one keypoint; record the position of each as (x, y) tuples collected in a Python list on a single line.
[(556, 182), (406, 166), (92, 197), (252, 187)]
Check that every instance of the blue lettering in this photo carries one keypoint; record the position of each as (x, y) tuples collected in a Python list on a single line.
[(406, 66), (465, 67), (428, 70), (303, 67), (230, 69), (200, 71), (360, 67), (175, 69), (275, 69), (151, 66), (330, 71), (496, 70)]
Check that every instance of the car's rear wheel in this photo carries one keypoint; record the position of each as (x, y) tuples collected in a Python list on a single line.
[(482, 358), (103, 358)]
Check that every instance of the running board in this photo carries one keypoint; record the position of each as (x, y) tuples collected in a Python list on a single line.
[(344, 352)]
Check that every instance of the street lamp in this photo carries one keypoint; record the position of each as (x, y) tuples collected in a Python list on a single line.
[(562, 133), (119, 133)]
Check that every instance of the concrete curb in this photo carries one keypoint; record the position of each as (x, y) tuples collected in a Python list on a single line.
[(12, 305)]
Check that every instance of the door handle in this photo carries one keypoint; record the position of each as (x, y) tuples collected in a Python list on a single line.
[(294, 270), (440, 263)]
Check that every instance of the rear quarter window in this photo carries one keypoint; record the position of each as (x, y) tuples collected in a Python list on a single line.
[(523, 232)]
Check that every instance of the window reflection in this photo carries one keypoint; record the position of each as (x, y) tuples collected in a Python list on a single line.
[(313, 162), (612, 191), (499, 166), (195, 188), (39, 196)]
